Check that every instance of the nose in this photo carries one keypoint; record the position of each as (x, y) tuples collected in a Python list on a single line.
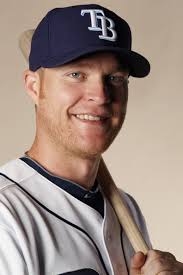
[(98, 92)]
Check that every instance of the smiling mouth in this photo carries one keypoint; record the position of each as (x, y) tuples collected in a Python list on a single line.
[(89, 117)]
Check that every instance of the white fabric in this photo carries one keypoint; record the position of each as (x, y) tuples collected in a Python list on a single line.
[(34, 241)]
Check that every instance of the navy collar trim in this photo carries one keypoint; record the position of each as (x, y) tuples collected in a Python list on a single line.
[(73, 188), (91, 197)]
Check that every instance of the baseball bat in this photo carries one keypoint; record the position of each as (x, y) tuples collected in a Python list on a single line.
[(108, 186)]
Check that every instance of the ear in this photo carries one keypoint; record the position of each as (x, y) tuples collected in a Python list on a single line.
[(32, 85)]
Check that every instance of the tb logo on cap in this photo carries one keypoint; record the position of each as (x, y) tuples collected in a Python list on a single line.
[(96, 15)]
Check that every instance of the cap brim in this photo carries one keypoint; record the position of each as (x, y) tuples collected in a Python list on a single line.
[(138, 64)]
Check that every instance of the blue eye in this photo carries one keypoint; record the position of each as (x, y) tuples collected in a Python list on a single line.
[(118, 80), (76, 75)]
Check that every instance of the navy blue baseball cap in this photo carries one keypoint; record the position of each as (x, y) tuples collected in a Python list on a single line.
[(68, 33)]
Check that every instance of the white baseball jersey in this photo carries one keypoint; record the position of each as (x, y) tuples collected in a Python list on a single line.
[(52, 226)]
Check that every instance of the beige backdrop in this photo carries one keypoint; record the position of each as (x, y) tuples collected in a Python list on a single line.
[(147, 157)]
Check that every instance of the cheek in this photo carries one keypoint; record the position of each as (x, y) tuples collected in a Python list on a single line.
[(120, 103), (119, 112), (119, 98), (64, 95)]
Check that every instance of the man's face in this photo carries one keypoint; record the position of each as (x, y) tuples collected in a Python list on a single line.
[(82, 105)]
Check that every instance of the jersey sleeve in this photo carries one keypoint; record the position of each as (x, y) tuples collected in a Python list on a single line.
[(11, 258)]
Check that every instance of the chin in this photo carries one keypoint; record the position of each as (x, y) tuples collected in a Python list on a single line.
[(94, 151)]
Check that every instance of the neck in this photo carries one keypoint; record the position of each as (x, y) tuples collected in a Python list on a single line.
[(82, 171)]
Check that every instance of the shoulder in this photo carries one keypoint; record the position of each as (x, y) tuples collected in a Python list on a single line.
[(14, 172), (13, 199), (132, 206), (5, 180), (137, 215)]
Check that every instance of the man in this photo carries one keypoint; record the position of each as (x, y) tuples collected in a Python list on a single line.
[(54, 218)]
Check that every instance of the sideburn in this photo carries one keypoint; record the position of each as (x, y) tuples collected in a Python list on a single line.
[(41, 74)]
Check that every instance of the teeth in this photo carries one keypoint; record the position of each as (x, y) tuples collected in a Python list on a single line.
[(89, 117)]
